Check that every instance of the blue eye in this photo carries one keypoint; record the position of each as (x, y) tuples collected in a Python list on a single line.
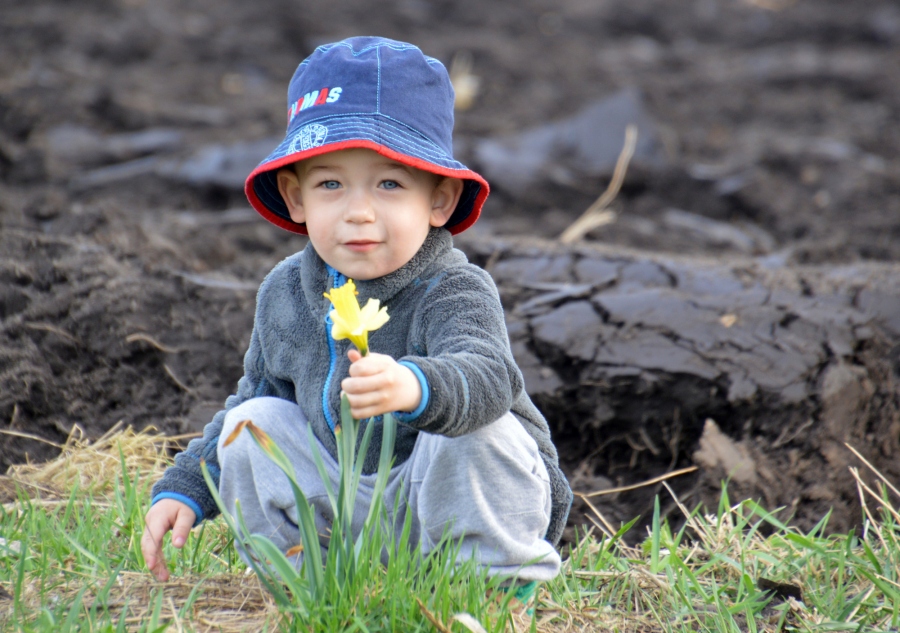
[(331, 184), (390, 184)]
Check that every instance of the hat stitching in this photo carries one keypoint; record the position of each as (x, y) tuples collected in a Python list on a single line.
[(378, 87), (386, 137), (334, 122), (335, 119), (324, 48)]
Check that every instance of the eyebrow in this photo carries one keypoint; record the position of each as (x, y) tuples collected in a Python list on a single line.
[(309, 170)]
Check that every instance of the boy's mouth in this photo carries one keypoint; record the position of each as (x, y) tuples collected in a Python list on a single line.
[(361, 246)]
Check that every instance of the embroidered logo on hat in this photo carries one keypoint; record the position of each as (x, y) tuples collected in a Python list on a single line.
[(307, 137), (314, 98)]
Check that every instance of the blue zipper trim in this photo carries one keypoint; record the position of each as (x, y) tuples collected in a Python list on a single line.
[(337, 280)]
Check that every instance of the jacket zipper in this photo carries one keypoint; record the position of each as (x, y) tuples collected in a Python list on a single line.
[(337, 280)]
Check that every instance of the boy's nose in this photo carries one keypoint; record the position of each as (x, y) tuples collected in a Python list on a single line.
[(359, 209)]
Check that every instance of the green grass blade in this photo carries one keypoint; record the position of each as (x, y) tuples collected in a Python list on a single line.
[(889, 591), (309, 536), (18, 590), (236, 530), (305, 514), (362, 452), (346, 461), (870, 555), (257, 561), (74, 614), (84, 552), (654, 538), (153, 626), (385, 461), (320, 466), (280, 563)]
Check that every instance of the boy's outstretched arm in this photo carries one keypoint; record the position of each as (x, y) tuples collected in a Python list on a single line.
[(164, 515)]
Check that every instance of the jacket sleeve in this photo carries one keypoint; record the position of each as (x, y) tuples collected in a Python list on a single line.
[(184, 481), (470, 371)]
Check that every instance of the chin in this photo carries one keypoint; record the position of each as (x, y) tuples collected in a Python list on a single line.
[(360, 273)]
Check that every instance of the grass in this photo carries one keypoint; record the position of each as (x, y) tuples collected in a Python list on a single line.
[(70, 561)]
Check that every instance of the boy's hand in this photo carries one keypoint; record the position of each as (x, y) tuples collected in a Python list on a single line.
[(164, 515), (378, 384)]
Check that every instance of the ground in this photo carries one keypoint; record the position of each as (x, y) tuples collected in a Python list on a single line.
[(128, 273)]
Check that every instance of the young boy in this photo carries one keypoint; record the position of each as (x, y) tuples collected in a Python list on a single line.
[(366, 171)]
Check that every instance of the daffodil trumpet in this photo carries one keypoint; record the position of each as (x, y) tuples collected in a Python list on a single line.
[(349, 321)]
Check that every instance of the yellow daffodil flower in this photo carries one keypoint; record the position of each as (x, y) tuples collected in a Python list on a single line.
[(351, 322)]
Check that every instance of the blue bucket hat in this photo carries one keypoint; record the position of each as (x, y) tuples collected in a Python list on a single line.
[(377, 94)]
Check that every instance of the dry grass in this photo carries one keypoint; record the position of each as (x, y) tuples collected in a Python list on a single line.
[(670, 583), (221, 602), (226, 603), (95, 465)]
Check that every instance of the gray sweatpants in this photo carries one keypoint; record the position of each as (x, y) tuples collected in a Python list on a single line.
[(490, 487)]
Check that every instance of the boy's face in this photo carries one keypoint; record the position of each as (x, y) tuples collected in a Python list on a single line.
[(366, 215)]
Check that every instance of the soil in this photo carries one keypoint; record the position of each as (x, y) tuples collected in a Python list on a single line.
[(128, 274)]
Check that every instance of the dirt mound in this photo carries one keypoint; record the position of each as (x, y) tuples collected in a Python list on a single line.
[(93, 334)]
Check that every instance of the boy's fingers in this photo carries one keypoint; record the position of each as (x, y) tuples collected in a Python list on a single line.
[(160, 569), (183, 524), (367, 367), (150, 545), (148, 549), (368, 399), (361, 390), (361, 413), (354, 355), (368, 404), (151, 548), (356, 385)]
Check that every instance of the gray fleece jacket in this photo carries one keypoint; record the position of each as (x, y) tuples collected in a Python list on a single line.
[(446, 324)]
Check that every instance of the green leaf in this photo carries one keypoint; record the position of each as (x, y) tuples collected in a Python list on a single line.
[(870, 555), (280, 563), (362, 452), (239, 538), (654, 538), (74, 611), (320, 466), (385, 461)]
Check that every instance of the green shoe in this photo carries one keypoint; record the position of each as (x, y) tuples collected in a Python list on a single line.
[(525, 594)]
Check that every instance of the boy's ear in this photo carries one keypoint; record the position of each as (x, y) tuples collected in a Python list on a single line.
[(289, 187), (444, 200)]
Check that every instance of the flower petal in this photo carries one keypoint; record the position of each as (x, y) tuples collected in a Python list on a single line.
[(348, 321), (361, 341), (372, 317), (340, 329), (344, 301)]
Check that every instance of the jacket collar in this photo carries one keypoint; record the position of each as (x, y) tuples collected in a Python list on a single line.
[(317, 277)]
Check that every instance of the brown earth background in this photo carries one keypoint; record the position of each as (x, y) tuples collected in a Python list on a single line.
[(129, 257)]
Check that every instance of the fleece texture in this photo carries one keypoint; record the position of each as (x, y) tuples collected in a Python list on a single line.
[(445, 318)]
